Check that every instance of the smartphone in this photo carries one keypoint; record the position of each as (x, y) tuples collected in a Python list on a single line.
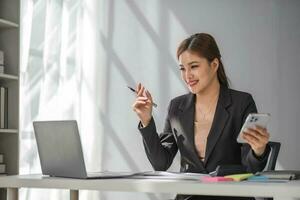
[(252, 120)]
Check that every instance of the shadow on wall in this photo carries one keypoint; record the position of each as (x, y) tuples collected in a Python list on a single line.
[(285, 34), (199, 20)]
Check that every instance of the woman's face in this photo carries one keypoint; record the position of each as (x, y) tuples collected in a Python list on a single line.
[(196, 71)]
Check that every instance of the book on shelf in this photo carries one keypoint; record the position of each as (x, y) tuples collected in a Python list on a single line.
[(1, 58), (3, 107), (1, 62), (2, 168)]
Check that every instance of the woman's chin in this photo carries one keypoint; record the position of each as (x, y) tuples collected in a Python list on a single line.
[(194, 90)]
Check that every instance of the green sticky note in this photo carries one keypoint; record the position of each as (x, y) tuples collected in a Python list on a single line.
[(239, 177)]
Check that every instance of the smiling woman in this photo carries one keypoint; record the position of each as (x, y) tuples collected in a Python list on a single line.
[(204, 49), (203, 124)]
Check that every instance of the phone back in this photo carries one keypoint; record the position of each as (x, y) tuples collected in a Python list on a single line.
[(255, 119)]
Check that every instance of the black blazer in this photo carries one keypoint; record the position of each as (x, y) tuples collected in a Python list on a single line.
[(222, 148)]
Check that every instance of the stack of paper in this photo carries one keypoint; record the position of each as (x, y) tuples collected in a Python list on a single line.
[(170, 175)]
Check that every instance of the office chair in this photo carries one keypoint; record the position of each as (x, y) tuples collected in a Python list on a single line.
[(275, 147)]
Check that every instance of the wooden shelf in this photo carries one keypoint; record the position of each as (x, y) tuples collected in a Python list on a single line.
[(8, 77), (7, 24), (10, 45), (9, 131)]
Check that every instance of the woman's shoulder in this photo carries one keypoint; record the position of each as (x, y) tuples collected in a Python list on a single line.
[(235, 92), (181, 102), (181, 98), (177, 103), (237, 95)]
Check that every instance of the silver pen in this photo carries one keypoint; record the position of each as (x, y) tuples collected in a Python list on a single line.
[(133, 90)]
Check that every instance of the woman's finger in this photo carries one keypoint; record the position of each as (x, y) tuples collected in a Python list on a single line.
[(141, 91), (138, 104), (262, 137), (138, 87), (251, 137), (142, 98), (259, 128), (249, 141), (254, 133), (262, 131), (149, 96), (255, 139)]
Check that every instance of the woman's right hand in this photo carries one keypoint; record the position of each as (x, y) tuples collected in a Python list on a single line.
[(143, 105)]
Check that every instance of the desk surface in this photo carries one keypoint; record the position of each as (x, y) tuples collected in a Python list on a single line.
[(289, 189)]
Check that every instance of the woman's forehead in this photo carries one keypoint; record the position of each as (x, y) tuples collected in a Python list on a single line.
[(188, 57)]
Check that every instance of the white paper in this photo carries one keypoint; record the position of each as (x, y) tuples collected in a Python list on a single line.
[(170, 175)]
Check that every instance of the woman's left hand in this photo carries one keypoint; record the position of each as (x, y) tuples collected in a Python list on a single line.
[(257, 138)]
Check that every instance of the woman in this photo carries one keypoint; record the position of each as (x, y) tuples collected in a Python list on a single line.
[(203, 124)]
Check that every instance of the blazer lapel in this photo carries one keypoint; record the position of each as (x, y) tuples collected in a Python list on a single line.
[(219, 121), (186, 118)]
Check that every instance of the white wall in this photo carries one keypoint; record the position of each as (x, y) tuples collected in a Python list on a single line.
[(259, 41), (260, 44), (103, 46)]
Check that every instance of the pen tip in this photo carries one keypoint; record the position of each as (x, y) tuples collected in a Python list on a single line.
[(131, 89)]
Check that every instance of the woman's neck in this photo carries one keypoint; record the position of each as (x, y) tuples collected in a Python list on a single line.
[(208, 94)]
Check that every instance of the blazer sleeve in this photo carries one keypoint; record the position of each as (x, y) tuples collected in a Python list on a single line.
[(160, 148), (249, 159)]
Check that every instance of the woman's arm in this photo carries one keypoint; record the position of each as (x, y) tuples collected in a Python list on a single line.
[(255, 151), (160, 149)]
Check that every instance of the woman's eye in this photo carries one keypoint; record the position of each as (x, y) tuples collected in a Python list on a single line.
[(181, 69), (194, 66)]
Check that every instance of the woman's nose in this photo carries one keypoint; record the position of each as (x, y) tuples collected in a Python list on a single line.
[(188, 74)]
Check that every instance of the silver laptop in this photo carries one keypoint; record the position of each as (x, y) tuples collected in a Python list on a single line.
[(60, 151)]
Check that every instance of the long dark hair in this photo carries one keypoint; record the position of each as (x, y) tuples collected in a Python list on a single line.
[(205, 46)]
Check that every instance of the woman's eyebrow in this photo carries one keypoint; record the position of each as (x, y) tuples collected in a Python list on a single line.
[(190, 63), (193, 62)]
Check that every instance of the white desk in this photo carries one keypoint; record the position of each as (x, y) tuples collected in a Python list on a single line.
[(286, 190)]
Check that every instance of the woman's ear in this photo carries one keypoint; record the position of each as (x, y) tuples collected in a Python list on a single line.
[(215, 64)]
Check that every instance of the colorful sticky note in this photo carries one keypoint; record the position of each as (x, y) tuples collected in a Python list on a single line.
[(239, 177), (215, 179), (257, 178)]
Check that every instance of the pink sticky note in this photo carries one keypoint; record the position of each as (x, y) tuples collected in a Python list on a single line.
[(216, 179)]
